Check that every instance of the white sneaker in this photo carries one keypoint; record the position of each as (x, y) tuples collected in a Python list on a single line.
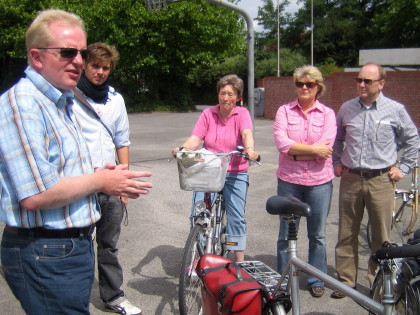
[(125, 308)]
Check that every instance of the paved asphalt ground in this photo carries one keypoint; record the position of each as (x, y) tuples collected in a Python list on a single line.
[(151, 246)]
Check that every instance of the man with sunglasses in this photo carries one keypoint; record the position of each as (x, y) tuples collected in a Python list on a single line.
[(48, 184), (370, 130), (103, 118)]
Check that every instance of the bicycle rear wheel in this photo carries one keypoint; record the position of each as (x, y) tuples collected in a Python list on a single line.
[(406, 295), (189, 284), (400, 221)]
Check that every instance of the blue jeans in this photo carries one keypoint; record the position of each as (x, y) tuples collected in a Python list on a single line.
[(234, 192), (49, 275), (319, 199), (108, 230)]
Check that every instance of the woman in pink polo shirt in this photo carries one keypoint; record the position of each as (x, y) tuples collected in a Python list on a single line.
[(304, 132), (222, 128)]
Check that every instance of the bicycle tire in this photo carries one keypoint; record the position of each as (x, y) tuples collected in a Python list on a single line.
[(220, 246), (407, 291), (406, 295), (401, 220), (189, 295)]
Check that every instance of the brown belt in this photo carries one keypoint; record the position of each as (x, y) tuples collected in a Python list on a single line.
[(49, 233), (370, 173)]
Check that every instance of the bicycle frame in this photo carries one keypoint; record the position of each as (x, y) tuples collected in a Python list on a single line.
[(415, 204), (213, 222), (292, 209), (295, 264)]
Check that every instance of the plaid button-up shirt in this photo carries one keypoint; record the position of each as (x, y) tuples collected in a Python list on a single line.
[(40, 143)]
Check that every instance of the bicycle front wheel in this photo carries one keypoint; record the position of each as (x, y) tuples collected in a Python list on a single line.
[(189, 284), (407, 291)]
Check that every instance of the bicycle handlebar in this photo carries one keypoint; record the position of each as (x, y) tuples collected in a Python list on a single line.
[(232, 153), (398, 252)]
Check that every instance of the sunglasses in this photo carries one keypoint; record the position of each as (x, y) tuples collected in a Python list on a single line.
[(309, 85), (366, 81), (69, 53)]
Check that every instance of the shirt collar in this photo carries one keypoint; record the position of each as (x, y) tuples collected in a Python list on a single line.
[(317, 105), (215, 110), (47, 89), (375, 104)]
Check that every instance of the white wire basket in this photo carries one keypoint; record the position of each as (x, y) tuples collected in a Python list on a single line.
[(202, 171)]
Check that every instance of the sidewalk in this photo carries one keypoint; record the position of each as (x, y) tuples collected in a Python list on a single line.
[(151, 245)]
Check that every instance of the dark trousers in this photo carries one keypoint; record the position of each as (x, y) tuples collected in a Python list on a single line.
[(108, 230)]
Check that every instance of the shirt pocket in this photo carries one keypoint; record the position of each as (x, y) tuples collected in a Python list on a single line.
[(318, 126), (384, 132), (293, 124)]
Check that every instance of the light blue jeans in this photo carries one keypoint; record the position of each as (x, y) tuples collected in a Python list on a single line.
[(234, 192), (319, 199)]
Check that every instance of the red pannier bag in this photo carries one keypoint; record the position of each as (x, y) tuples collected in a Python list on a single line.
[(227, 288)]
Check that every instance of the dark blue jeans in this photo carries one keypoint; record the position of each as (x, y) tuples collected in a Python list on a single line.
[(49, 275), (319, 199), (108, 230)]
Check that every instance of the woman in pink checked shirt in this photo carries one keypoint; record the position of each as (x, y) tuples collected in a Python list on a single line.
[(304, 132)]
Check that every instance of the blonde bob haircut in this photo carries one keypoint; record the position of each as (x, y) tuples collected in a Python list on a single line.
[(38, 33), (310, 72), (234, 80)]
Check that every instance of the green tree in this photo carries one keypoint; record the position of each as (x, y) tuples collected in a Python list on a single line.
[(395, 24), (343, 27), (160, 49)]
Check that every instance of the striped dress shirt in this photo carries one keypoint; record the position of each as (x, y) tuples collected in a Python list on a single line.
[(41, 143), (369, 138)]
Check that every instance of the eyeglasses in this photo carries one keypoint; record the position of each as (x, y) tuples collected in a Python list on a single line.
[(69, 53), (366, 81), (309, 85), (229, 95)]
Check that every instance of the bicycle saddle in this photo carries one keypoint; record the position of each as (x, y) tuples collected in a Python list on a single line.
[(287, 206)]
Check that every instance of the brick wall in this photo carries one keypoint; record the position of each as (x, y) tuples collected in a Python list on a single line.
[(402, 86)]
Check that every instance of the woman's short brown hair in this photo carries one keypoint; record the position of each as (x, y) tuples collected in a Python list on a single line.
[(234, 80)]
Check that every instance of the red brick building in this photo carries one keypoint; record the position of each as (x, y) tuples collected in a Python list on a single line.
[(402, 86)]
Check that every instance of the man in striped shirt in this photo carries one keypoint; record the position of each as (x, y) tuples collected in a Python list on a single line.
[(47, 180), (370, 130)]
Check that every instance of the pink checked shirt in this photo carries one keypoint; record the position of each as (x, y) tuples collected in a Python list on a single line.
[(316, 126), (224, 136)]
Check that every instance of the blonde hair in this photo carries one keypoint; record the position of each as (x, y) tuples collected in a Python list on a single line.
[(234, 80), (312, 73), (39, 34)]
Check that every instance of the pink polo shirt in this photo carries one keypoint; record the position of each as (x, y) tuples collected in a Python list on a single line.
[(292, 125), (224, 136)]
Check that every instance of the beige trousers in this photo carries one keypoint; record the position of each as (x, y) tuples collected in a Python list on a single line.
[(356, 193)]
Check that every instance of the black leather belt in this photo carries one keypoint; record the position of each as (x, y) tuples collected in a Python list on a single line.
[(49, 233), (369, 173)]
